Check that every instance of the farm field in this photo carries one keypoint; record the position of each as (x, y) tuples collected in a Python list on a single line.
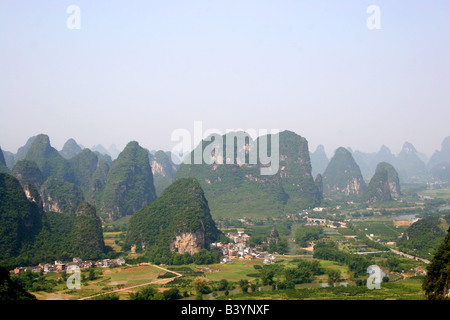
[(109, 279), (383, 229), (443, 193)]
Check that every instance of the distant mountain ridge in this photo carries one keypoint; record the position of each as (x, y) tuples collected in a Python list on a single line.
[(410, 164), (243, 192), (86, 173)]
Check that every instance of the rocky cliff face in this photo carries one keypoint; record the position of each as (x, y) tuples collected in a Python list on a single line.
[(393, 178), (163, 170), (188, 242), (32, 194)]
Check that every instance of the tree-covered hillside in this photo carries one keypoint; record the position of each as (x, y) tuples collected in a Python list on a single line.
[(20, 219), (182, 210), (28, 235), (437, 280), (422, 237), (129, 184), (343, 176), (237, 188), (48, 159)]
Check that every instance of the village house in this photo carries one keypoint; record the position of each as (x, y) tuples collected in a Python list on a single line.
[(226, 260), (72, 267), (19, 270), (268, 259), (48, 267), (36, 269), (60, 266), (106, 263)]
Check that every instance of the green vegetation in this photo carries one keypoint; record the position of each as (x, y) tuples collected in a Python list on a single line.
[(423, 237), (181, 209), (378, 188), (161, 256), (30, 236), (437, 281), (129, 185), (305, 234), (28, 171), (393, 179), (175, 229), (329, 251), (343, 175), (60, 196), (11, 290), (163, 170), (20, 219), (3, 167), (84, 164), (48, 159), (86, 236), (237, 190), (70, 149)]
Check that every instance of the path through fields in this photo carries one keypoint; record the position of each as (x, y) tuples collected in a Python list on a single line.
[(159, 281)]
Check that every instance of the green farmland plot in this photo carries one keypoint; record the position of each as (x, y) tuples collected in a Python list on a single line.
[(381, 229)]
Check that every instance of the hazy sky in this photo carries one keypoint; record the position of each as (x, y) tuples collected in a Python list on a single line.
[(138, 70)]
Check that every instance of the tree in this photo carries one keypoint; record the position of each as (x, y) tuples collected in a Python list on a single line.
[(201, 285), (171, 294), (91, 274), (11, 290), (333, 276), (244, 285), (437, 280), (223, 285), (145, 294), (266, 276)]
